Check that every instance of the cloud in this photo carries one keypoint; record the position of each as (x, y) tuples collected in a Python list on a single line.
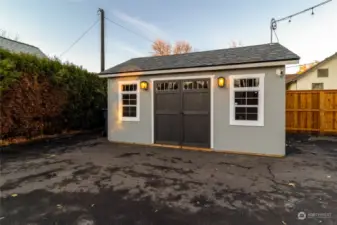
[(148, 29), (133, 51)]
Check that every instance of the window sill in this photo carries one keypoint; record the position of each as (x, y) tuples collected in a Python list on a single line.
[(130, 119), (247, 123)]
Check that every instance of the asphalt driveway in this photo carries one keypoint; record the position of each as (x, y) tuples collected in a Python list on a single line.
[(84, 179)]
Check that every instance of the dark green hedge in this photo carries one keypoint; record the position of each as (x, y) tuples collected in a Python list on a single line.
[(45, 96)]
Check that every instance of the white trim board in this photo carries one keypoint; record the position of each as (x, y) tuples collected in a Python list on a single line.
[(211, 77), (120, 105), (200, 69), (260, 89)]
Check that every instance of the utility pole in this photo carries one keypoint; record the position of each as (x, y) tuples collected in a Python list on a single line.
[(101, 12)]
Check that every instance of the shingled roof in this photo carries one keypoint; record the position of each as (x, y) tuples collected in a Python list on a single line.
[(231, 56), (19, 47)]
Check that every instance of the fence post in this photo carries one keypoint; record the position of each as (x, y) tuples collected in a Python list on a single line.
[(321, 112)]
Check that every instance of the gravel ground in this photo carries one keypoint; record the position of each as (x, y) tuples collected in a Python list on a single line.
[(84, 180)]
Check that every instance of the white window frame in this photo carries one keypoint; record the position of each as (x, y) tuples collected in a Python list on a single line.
[(120, 100), (260, 88)]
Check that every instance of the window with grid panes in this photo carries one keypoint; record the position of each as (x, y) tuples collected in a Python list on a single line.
[(129, 100), (247, 100)]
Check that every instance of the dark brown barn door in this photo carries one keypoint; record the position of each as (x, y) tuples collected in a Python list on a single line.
[(182, 112), (167, 108)]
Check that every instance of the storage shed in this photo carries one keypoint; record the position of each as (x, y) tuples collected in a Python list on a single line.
[(230, 100)]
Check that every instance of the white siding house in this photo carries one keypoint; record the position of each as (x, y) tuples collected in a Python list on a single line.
[(322, 76)]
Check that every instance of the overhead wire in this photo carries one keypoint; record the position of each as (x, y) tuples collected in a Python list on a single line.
[(303, 11), (129, 30), (273, 22), (79, 38)]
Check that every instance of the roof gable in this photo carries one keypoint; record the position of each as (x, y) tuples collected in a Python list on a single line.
[(19, 47), (317, 66), (231, 56)]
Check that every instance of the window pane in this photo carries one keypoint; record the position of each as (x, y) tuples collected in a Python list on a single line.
[(252, 101), (133, 96), (133, 111), (196, 84), (251, 109), (317, 86), (125, 111), (249, 82), (126, 96), (252, 94), (323, 72), (129, 111), (237, 83), (132, 102), (253, 82), (240, 110), (129, 87), (240, 94), (239, 101), (239, 116), (251, 117)]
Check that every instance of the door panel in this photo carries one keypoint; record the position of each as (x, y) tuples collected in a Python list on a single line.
[(167, 129), (196, 130), (167, 111)]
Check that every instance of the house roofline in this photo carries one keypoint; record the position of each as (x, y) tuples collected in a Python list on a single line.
[(200, 69), (312, 68), (19, 42)]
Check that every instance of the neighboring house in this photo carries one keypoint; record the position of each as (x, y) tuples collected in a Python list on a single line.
[(220, 100), (322, 76), (19, 47)]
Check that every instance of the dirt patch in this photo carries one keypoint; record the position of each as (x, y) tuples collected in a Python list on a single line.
[(32, 178), (129, 154), (169, 168), (202, 201), (236, 165)]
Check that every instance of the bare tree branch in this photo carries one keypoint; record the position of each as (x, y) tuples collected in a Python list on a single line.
[(235, 44), (161, 47), (182, 47)]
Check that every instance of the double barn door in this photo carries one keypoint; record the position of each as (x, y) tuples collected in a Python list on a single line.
[(182, 112)]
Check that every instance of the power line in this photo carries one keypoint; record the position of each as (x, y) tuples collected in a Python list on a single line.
[(78, 39), (273, 22), (131, 31)]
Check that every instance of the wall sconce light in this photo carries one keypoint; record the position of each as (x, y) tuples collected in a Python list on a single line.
[(144, 85), (221, 82)]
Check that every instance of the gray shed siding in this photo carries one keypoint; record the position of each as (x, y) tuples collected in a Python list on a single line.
[(267, 139)]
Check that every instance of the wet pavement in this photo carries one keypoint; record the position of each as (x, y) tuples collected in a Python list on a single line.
[(84, 179)]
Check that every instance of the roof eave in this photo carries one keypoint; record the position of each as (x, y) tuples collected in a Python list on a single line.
[(200, 69)]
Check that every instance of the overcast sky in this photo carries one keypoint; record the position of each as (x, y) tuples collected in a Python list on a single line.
[(53, 25)]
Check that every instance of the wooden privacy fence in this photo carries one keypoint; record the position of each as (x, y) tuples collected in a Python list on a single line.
[(311, 111)]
